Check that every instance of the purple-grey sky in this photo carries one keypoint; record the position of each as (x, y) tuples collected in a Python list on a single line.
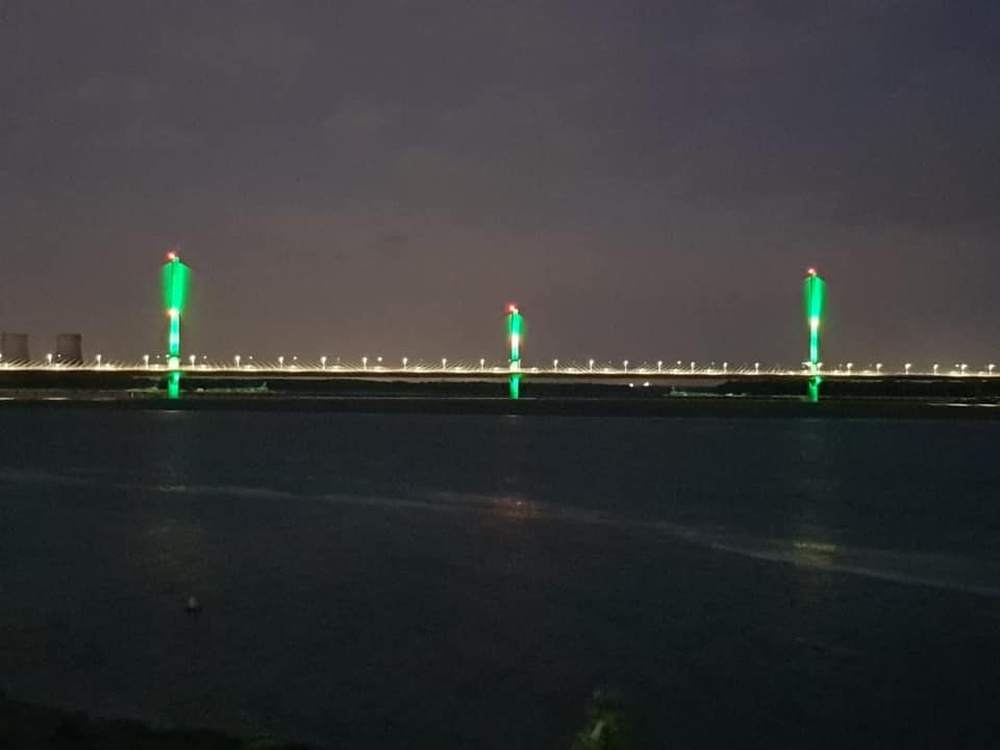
[(648, 179)]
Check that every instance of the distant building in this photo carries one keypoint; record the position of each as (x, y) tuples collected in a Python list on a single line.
[(69, 348), (14, 347)]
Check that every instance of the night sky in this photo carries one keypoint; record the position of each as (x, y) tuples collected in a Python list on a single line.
[(649, 179)]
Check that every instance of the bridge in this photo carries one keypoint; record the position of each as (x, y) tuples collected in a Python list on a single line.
[(592, 370), (171, 367)]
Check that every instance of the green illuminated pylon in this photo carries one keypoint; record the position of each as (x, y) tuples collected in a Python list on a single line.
[(515, 334), (815, 299), (174, 276)]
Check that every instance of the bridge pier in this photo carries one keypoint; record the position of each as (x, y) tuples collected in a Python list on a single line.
[(515, 330)]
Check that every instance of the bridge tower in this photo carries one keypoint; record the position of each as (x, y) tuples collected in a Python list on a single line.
[(515, 332), (175, 278), (815, 299)]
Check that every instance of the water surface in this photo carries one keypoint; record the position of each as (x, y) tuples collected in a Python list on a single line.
[(435, 581)]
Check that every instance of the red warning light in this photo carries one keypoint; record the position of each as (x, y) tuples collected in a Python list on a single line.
[(512, 308), (172, 255), (811, 271)]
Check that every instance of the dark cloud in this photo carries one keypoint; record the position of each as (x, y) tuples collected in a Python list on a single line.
[(648, 179)]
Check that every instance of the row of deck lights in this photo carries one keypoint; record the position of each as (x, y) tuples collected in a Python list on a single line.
[(378, 364), (239, 361)]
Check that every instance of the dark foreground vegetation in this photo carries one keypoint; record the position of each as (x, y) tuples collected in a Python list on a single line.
[(24, 726)]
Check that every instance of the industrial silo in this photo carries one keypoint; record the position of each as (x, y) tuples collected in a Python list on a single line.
[(69, 349), (14, 348)]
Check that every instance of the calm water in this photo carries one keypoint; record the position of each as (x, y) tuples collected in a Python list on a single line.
[(401, 582)]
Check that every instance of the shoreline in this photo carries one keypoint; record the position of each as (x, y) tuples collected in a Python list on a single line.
[(637, 407)]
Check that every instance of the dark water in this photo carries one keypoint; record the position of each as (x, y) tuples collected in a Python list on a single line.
[(447, 582)]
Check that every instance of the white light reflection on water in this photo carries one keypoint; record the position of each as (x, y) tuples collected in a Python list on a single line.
[(951, 572)]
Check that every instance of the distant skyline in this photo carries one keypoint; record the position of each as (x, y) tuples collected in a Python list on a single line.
[(648, 180)]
